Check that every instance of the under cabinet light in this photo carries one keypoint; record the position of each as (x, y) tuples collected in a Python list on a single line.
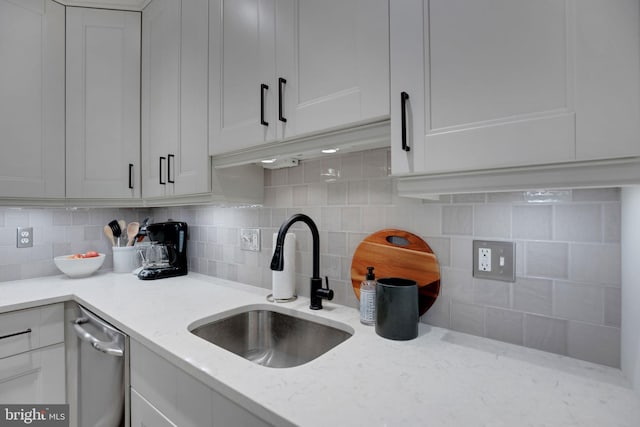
[(330, 150)]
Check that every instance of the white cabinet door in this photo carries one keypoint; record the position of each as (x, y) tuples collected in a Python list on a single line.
[(144, 414), (243, 87), (37, 376), (607, 79), (164, 395), (32, 98), (334, 56), (103, 103), (500, 83), (174, 98), (284, 68), (489, 83)]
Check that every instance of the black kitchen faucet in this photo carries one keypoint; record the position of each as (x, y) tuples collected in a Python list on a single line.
[(277, 262)]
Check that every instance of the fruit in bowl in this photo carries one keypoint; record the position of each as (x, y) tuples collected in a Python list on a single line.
[(79, 265)]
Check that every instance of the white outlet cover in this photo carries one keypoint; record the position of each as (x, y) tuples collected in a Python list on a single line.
[(250, 239)]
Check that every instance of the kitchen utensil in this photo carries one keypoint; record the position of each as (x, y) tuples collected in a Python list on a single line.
[(109, 233), (115, 229), (132, 232), (123, 230), (397, 313), (398, 253)]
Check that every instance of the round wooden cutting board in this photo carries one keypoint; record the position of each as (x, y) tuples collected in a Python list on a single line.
[(398, 253)]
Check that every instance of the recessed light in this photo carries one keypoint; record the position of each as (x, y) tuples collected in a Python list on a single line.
[(269, 161), (330, 150)]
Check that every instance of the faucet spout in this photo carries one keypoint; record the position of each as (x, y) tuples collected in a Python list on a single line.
[(277, 262)]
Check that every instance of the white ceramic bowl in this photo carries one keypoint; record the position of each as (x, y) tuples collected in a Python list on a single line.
[(78, 267)]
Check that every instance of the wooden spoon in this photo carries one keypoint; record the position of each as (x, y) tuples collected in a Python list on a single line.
[(132, 232), (109, 233)]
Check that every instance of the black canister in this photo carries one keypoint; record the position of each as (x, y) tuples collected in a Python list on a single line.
[(397, 314)]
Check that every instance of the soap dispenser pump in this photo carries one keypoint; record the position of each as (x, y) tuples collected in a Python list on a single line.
[(368, 299)]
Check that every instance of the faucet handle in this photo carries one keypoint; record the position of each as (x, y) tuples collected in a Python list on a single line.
[(325, 292)]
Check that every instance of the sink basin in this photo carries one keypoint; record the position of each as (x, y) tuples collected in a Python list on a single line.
[(272, 338)]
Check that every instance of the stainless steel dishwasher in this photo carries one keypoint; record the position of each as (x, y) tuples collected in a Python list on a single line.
[(98, 378)]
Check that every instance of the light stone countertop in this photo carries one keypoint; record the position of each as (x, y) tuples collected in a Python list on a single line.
[(441, 378)]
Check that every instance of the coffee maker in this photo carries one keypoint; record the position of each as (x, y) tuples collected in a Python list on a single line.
[(168, 251)]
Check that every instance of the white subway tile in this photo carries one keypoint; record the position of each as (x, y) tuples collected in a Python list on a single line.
[(532, 222), (533, 295), (505, 325), (594, 263), (547, 259), (594, 343), (579, 301), (492, 221), (578, 223), (457, 219), (545, 333), (468, 318)]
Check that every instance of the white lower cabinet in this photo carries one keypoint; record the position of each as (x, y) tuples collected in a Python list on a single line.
[(144, 413), (32, 356), (164, 395), (37, 377)]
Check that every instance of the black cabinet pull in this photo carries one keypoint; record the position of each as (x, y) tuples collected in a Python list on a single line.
[(263, 89), (26, 331), (281, 83), (169, 179), (404, 96), (160, 171), (131, 176)]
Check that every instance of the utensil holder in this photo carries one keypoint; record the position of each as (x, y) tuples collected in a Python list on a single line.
[(397, 313), (125, 259)]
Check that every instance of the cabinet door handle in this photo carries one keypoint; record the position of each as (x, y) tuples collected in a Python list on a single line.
[(160, 171), (169, 179), (404, 96), (263, 89), (281, 83), (15, 334), (131, 176)]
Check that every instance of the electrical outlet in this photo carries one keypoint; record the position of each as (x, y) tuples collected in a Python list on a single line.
[(24, 238), (494, 260), (250, 239), (484, 259)]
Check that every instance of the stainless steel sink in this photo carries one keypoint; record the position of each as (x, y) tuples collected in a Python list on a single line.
[(272, 338)]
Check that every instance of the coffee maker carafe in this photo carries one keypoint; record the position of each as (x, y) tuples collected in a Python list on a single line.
[(169, 249)]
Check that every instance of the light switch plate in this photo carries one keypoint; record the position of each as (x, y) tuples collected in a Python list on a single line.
[(250, 239), (494, 260), (24, 238)]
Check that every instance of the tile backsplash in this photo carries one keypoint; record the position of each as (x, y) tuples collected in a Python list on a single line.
[(566, 298), (56, 231)]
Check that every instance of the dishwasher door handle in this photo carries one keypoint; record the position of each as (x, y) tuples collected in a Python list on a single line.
[(111, 348)]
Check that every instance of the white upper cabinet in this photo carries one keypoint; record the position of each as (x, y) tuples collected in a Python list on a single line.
[(175, 157), (242, 39), (334, 56), (103, 103), (32, 99), (284, 68), (484, 84)]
